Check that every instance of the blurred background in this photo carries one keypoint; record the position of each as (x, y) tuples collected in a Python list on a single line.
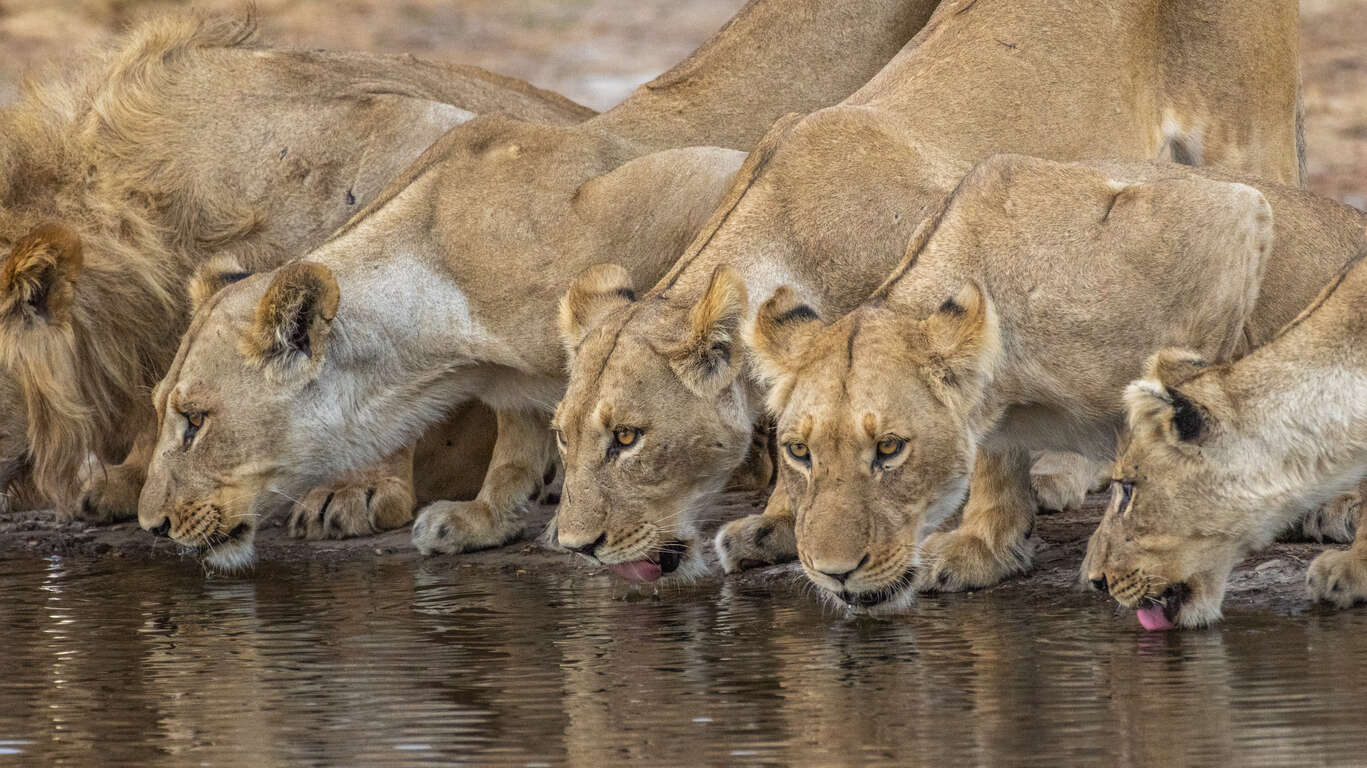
[(597, 51)]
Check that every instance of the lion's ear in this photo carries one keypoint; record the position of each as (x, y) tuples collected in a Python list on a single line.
[(1165, 413), (1173, 366), (780, 326), (212, 276), (294, 317), (597, 291), (962, 335), (710, 356), (38, 280)]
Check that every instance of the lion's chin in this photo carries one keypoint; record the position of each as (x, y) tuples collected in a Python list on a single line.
[(234, 552), (1182, 605), (890, 599), (674, 560)]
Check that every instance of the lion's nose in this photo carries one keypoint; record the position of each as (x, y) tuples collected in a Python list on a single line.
[(841, 571), (163, 528), (1099, 583)]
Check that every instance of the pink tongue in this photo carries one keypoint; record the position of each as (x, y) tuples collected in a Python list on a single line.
[(1153, 618), (639, 570)]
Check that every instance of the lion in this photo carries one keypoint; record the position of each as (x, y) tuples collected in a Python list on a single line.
[(662, 395), (188, 142), (444, 288), (1022, 307), (1220, 458)]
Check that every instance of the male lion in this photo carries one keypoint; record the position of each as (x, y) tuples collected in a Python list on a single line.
[(444, 289), (661, 398), (1220, 458), (186, 143), (1022, 307)]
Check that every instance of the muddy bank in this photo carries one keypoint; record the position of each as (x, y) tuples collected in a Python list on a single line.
[(1271, 581)]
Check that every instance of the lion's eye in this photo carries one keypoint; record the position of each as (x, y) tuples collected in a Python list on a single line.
[(799, 451), (193, 421), (890, 446), (623, 438)]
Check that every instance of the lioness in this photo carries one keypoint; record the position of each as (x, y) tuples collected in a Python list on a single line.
[(1022, 307), (1220, 458), (444, 289), (186, 144), (661, 397)]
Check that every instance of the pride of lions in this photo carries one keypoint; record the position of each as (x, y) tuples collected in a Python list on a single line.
[(918, 267)]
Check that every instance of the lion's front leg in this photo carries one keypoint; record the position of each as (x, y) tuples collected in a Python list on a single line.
[(517, 469), (362, 503), (110, 494), (1340, 576), (1336, 521), (993, 541), (759, 467), (758, 540)]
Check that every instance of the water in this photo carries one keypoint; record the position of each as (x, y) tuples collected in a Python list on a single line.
[(148, 664)]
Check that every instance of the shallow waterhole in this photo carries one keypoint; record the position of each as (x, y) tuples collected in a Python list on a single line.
[(150, 663)]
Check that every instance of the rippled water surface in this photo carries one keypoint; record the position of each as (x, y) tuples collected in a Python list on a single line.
[(112, 662)]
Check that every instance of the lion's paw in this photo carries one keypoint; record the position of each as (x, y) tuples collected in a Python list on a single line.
[(955, 561), (450, 527), (1336, 521), (755, 541), (1338, 577), (110, 495), (346, 511)]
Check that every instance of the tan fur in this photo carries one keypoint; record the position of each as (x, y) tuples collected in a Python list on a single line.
[(1012, 326), (449, 282), (826, 204), (186, 143), (1220, 459)]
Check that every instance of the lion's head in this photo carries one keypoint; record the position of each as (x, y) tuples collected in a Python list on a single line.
[(640, 469), (237, 407), (875, 430), (1180, 516), (72, 388)]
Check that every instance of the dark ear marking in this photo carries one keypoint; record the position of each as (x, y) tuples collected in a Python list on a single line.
[(626, 293), (1188, 419), (950, 307), (800, 313)]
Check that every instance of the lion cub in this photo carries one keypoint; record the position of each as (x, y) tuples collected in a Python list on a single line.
[(1022, 308), (1221, 458)]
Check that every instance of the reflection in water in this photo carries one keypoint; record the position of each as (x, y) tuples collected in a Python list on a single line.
[(402, 664)]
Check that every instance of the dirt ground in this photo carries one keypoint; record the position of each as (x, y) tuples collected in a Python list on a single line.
[(596, 52)]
